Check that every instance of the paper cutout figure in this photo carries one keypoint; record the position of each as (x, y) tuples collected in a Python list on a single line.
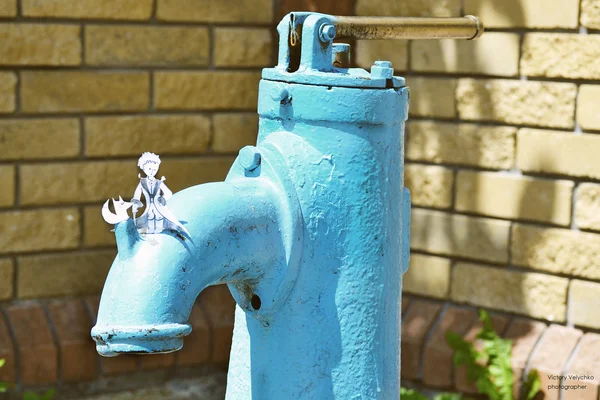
[(121, 215), (156, 217)]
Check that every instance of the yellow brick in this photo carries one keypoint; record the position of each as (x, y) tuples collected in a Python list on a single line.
[(368, 51), (146, 45), (257, 11), (559, 55), (79, 181), (404, 8), (234, 131), (432, 97), (75, 91), (63, 274), (206, 90), (39, 138), (524, 13), (40, 44), (558, 153), (587, 206), (588, 116), (560, 251), (96, 232), (8, 85), (516, 102), (584, 303), (458, 235), (429, 185), (89, 9), (8, 8), (22, 231), (87, 181), (242, 47), (464, 144), (427, 276), (6, 278), (492, 54), (532, 294), (191, 172), (514, 197), (7, 183), (590, 14), (169, 134)]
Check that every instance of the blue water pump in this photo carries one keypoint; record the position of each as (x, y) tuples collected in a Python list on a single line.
[(310, 229)]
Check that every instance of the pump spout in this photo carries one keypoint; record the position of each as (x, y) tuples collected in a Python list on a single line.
[(235, 238)]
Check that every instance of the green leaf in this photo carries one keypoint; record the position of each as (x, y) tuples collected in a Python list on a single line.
[(490, 368), (48, 395), (30, 396), (3, 387), (410, 394), (448, 396), (2, 362), (488, 327), (532, 384)]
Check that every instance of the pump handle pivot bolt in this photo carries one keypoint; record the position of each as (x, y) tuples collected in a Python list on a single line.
[(327, 33), (249, 158)]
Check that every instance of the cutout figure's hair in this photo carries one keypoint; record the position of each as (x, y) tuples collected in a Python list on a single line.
[(148, 157)]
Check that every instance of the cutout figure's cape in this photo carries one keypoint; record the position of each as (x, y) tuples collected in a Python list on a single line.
[(153, 202)]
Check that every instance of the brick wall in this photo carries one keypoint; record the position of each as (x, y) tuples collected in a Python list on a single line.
[(502, 156), (502, 153), (85, 87)]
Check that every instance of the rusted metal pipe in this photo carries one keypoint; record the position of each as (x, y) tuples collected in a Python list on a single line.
[(468, 27)]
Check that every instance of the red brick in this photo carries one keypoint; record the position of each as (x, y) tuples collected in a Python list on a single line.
[(72, 324), (219, 307), (585, 362), (156, 361), (112, 365), (8, 373), (35, 345), (551, 356), (405, 303), (334, 7), (525, 334), (437, 358), (196, 346), (417, 322), (460, 380)]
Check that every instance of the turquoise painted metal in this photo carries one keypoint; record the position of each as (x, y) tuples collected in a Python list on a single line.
[(310, 231)]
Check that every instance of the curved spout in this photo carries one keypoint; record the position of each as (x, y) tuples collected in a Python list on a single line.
[(150, 289)]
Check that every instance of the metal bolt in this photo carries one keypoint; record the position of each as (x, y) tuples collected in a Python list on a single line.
[(385, 64), (279, 93), (249, 158), (382, 70), (327, 33), (341, 55)]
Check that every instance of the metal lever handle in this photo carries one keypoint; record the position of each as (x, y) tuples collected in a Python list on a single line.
[(468, 27)]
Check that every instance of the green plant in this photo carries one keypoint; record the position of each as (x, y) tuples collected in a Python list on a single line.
[(49, 395), (490, 368), (411, 394), (3, 385)]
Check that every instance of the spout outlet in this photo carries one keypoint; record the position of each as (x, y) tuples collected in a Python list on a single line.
[(240, 233)]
